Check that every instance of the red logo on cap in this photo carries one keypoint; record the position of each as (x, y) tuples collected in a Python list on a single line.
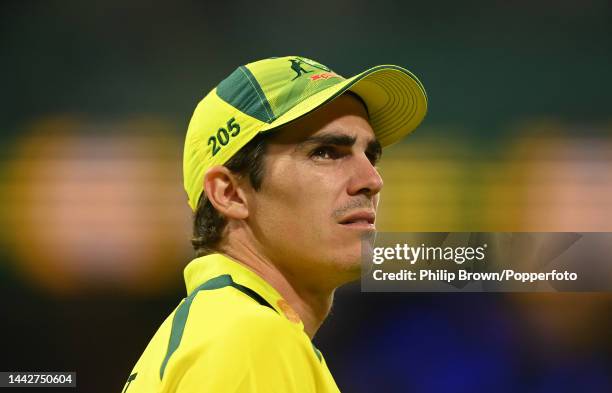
[(324, 75)]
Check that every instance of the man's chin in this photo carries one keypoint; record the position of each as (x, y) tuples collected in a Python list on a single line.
[(350, 271)]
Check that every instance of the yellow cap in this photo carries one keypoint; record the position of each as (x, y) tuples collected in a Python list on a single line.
[(266, 94)]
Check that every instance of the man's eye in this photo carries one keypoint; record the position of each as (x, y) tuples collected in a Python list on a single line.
[(325, 152), (374, 158)]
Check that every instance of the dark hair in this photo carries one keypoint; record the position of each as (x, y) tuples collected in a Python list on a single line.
[(208, 223)]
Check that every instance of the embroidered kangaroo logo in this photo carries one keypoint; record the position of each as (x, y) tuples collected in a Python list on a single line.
[(296, 65)]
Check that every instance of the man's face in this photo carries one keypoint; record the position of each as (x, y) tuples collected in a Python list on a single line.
[(319, 194)]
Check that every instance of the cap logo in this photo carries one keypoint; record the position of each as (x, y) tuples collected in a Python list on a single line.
[(296, 65), (324, 75)]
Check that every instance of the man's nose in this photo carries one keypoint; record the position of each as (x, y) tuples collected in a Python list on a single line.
[(365, 179)]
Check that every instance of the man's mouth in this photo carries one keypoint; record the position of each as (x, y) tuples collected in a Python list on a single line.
[(360, 220)]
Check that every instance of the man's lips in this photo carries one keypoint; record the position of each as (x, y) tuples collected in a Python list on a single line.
[(364, 218)]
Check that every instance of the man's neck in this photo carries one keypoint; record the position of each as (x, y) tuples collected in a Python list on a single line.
[(312, 306)]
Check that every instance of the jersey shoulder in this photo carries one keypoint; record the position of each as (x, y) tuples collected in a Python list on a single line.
[(224, 340), (229, 338)]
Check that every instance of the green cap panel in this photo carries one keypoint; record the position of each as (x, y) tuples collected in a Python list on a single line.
[(242, 91)]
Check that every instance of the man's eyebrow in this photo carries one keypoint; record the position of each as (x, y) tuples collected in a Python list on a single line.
[(374, 147), (328, 139)]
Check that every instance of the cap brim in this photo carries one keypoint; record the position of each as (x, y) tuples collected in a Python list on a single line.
[(396, 101)]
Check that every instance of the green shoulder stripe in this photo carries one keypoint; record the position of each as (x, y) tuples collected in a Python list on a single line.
[(180, 316), (317, 352)]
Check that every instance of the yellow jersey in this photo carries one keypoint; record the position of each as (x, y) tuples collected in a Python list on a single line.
[(232, 333)]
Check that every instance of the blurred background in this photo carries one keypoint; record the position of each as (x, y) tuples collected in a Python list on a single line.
[(94, 224)]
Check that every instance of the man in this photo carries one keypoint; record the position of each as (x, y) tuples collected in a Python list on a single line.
[(280, 171)]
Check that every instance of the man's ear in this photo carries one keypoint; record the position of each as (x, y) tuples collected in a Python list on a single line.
[(223, 190)]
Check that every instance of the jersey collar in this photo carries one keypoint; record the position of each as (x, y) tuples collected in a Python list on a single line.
[(204, 268)]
